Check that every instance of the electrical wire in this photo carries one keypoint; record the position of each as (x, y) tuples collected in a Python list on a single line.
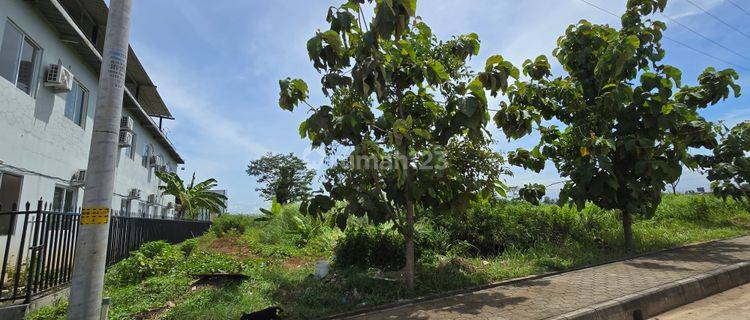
[(719, 19), (739, 7), (706, 37), (674, 40)]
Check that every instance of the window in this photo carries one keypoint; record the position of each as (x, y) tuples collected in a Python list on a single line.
[(64, 200), (75, 103), (19, 58), (147, 154), (130, 151), (10, 193)]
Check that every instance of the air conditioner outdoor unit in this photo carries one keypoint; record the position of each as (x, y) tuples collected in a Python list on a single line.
[(126, 139), (134, 194), (126, 124), (59, 78), (79, 178)]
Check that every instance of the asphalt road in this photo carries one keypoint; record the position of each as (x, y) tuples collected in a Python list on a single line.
[(732, 304)]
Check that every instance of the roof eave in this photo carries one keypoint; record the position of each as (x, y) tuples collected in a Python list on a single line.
[(56, 15)]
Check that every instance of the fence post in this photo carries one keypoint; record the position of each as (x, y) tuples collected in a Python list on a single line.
[(19, 261), (33, 256), (8, 239)]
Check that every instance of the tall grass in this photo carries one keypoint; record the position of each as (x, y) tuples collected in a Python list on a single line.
[(490, 243)]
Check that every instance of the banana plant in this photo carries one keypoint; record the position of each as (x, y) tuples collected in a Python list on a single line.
[(194, 197)]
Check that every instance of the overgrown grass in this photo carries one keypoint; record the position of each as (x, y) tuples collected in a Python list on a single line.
[(491, 244)]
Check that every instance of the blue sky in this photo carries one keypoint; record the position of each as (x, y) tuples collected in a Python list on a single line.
[(217, 64)]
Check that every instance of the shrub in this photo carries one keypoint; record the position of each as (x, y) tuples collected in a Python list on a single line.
[(431, 241), (151, 259), (209, 262), (231, 224), (703, 209), (188, 246), (370, 246), (491, 229), (54, 312)]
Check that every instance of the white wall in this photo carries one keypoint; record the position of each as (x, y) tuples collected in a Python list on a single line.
[(39, 142)]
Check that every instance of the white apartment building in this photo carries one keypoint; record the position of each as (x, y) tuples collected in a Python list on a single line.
[(46, 122)]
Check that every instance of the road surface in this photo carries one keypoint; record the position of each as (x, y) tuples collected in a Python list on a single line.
[(732, 304)]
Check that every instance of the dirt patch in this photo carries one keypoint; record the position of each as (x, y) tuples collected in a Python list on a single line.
[(293, 263), (154, 313), (216, 280), (231, 246)]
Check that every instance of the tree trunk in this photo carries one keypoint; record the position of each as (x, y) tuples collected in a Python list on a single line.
[(409, 232), (409, 237), (627, 228)]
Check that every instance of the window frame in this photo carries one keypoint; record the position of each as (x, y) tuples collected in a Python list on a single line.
[(131, 150), (64, 203), (38, 57), (148, 151), (84, 105)]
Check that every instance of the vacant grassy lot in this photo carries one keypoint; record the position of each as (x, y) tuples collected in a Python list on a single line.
[(490, 243)]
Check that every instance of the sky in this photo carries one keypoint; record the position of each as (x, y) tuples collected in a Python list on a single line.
[(217, 65)]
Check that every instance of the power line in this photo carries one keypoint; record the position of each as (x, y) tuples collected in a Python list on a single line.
[(673, 40), (718, 19), (739, 7), (707, 54), (600, 8), (706, 37)]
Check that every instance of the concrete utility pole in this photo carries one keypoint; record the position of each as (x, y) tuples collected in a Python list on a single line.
[(91, 245)]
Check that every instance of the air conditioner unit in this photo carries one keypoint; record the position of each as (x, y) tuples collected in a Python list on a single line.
[(126, 124), (59, 78), (152, 198), (126, 139), (79, 178), (134, 194)]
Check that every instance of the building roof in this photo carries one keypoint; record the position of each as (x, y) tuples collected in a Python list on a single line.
[(141, 96)]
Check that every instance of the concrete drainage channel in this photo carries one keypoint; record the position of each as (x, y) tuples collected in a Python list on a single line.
[(657, 300)]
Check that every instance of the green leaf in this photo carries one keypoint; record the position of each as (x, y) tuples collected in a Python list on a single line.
[(667, 109), (633, 41), (422, 133), (437, 72), (470, 106), (476, 87), (292, 92), (492, 61), (303, 129), (675, 74)]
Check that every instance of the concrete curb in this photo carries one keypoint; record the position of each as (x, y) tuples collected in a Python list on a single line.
[(659, 299), (435, 296)]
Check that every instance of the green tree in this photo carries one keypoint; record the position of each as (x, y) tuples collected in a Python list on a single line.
[(284, 177), (729, 166), (628, 120), (193, 198), (400, 100)]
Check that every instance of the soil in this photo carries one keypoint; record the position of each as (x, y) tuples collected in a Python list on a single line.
[(231, 246)]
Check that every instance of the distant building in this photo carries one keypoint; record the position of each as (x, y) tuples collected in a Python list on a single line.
[(207, 215)]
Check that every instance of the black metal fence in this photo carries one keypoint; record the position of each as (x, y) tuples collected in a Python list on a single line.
[(39, 244), (129, 233)]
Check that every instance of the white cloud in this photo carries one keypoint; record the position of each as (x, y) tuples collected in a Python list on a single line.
[(261, 47)]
